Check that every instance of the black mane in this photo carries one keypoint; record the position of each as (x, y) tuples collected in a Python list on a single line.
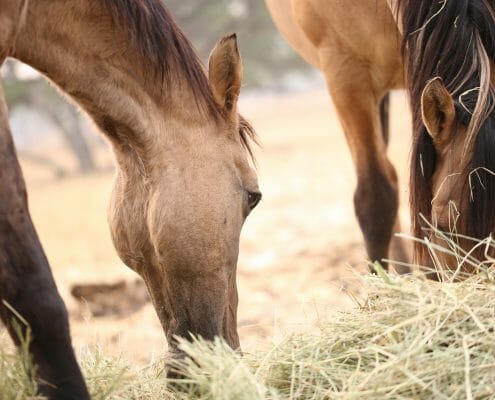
[(453, 40)]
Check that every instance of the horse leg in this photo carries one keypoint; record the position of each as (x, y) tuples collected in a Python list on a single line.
[(30, 305), (357, 101)]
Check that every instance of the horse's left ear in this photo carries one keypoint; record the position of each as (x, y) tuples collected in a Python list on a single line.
[(225, 73), (438, 112)]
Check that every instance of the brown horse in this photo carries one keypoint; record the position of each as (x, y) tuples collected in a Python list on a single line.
[(357, 45), (449, 50), (184, 183)]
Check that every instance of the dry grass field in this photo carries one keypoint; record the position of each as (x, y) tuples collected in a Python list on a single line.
[(300, 250)]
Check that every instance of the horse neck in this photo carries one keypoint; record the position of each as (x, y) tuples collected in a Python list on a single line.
[(75, 44)]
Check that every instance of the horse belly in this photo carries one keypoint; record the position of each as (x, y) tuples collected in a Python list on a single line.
[(283, 17)]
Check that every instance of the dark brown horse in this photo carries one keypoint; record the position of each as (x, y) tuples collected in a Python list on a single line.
[(184, 183), (449, 50), (448, 54)]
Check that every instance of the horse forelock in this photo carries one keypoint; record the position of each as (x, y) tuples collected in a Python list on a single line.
[(453, 40), (480, 186), (162, 46)]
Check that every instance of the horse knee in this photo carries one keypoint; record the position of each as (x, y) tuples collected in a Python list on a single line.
[(45, 315)]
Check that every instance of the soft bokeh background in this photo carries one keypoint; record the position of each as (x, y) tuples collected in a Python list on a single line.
[(301, 250)]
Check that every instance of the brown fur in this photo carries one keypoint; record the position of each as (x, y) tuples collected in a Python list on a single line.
[(11, 18), (184, 180), (449, 48), (361, 63), (27, 287)]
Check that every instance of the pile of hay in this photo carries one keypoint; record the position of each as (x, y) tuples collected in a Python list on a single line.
[(410, 339)]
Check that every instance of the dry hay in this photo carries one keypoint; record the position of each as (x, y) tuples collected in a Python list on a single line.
[(409, 339)]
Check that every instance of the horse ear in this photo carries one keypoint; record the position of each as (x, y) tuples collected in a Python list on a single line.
[(225, 73), (438, 111)]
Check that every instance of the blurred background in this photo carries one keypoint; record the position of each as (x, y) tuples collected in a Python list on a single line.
[(301, 250)]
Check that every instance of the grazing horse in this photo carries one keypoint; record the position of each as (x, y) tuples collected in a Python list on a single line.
[(184, 182), (447, 52)]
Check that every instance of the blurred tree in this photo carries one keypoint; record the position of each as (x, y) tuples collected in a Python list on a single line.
[(38, 94), (267, 57), (267, 60)]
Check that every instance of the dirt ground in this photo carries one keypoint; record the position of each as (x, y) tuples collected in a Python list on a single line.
[(301, 250)]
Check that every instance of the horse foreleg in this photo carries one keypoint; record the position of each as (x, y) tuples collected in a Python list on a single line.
[(376, 199), (30, 305)]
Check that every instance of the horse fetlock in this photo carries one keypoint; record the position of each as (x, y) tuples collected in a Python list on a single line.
[(376, 205)]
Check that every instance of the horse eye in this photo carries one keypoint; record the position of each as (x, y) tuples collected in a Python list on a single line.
[(253, 198)]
